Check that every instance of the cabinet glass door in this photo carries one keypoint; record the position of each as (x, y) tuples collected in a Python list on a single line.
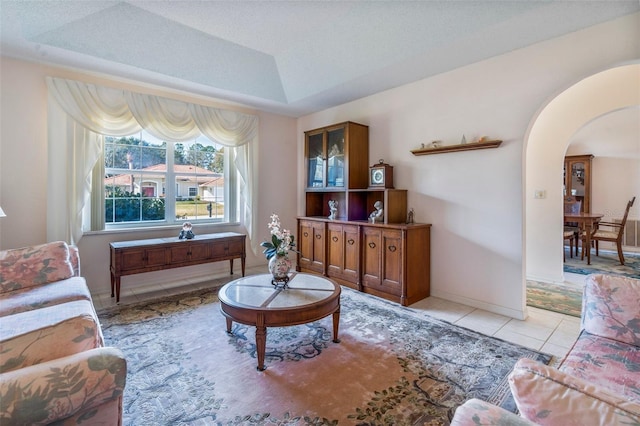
[(577, 188), (316, 161), (335, 158)]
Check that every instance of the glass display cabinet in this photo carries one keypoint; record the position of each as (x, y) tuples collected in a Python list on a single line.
[(326, 158), (336, 161), (577, 180)]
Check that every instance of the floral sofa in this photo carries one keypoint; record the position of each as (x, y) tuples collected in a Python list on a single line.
[(598, 381), (54, 367)]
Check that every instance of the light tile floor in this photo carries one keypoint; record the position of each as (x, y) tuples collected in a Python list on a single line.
[(546, 331)]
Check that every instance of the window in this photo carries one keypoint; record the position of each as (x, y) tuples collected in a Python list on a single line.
[(152, 182)]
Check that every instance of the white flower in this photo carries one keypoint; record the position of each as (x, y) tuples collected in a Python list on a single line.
[(281, 239)]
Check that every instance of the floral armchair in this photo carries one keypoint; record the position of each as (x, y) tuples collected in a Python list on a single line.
[(53, 366)]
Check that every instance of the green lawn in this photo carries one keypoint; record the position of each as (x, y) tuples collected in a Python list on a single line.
[(198, 209)]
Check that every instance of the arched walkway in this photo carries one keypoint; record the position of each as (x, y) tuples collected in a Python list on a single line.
[(545, 145)]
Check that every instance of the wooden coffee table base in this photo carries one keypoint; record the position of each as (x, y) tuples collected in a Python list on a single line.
[(261, 336), (254, 301)]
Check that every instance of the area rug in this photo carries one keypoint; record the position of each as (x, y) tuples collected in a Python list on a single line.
[(393, 365), (555, 297), (606, 263)]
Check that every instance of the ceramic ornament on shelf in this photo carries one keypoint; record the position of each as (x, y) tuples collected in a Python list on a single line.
[(333, 209)]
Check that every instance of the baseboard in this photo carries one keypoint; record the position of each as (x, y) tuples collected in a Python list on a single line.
[(496, 309)]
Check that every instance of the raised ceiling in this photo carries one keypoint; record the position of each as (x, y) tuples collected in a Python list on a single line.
[(288, 57)]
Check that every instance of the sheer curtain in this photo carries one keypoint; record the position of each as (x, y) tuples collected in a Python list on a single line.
[(80, 114)]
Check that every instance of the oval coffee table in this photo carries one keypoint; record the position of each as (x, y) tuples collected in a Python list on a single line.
[(253, 300)]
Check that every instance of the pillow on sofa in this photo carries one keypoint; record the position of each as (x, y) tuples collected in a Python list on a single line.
[(547, 396), (34, 265), (610, 307)]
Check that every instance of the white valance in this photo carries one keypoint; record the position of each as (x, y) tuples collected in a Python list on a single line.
[(118, 112)]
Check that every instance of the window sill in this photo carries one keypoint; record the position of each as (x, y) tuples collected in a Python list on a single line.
[(146, 229)]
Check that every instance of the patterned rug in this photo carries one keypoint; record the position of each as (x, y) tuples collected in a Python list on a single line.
[(606, 263), (560, 298), (393, 366)]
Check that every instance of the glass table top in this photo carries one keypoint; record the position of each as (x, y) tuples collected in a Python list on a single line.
[(257, 291)]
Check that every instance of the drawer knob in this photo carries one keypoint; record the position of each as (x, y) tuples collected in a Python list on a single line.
[(318, 236), (372, 245), (306, 234), (392, 248), (334, 239), (350, 241)]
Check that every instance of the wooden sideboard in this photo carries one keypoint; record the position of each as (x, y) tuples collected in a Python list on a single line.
[(387, 260), (136, 257)]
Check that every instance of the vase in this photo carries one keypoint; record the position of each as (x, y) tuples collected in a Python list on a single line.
[(279, 266)]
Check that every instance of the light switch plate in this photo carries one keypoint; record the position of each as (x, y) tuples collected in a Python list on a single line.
[(539, 194)]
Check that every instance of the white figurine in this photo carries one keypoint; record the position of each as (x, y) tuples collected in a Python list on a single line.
[(333, 209), (186, 232), (378, 214), (410, 217)]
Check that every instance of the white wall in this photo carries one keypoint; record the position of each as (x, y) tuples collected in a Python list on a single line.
[(23, 174), (624, 176), (474, 199)]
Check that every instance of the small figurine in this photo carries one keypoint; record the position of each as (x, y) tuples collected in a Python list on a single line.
[(333, 209), (378, 214), (186, 232), (410, 216)]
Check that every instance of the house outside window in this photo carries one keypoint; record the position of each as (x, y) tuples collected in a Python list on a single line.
[(152, 182)]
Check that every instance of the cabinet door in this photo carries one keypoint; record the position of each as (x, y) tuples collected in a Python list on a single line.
[(133, 259), (315, 160), (188, 252), (312, 245), (178, 253), (577, 180), (343, 252), (236, 246), (140, 258), (199, 251), (325, 153), (155, 257), (382, 260), (392, 257), (371, 257), (335, 158)]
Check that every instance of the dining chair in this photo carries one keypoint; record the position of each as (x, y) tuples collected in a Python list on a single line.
[(571, 236), (613, 235), (572, 206)]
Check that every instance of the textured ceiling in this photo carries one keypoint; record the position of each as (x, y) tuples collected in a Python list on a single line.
[(286, 57)]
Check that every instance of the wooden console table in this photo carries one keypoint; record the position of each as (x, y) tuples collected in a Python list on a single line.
[(136, 257)]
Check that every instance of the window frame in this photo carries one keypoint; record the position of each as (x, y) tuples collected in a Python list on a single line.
[(169, 191)]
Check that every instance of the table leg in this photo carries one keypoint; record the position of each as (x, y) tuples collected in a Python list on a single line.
[(231, 266), (113, 281), (117, 289), (229, 323), (336, 322), (587, 226), (261, 341)]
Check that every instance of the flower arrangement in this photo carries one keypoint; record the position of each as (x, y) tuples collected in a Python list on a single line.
[(281, 240)]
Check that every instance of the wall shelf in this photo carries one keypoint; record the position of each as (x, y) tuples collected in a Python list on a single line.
[(460, 147)]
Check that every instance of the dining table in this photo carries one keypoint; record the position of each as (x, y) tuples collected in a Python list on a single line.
[(586, 222)]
